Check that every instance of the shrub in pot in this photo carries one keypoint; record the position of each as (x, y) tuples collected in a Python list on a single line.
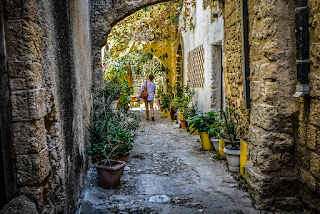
[(200, 123), (232, 129), (214, 129), (110, 136)]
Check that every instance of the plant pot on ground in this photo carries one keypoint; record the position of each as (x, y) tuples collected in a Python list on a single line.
[(201, 124), (233, 158), (232, 128), (183, 123), (111, 136), (215, 143), (109, 176)]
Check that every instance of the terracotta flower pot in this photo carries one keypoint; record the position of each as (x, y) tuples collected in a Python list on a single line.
[(109, 176), (183, 123)]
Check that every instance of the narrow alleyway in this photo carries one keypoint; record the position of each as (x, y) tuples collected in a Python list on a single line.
[(168, 173)]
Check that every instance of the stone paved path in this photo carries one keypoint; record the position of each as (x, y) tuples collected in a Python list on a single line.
[(168, 174)]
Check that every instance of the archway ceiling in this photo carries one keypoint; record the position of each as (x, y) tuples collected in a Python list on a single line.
[(106, 13)]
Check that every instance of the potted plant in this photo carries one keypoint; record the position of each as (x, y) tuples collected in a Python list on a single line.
[(192, 112), (214, 129), (111, 136), (165, 99), (232, 129), (103, 150), (200, 123)]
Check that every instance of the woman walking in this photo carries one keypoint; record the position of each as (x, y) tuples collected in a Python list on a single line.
[(151, 90)]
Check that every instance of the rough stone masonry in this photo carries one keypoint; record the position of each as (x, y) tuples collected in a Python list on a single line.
[(53, 58)]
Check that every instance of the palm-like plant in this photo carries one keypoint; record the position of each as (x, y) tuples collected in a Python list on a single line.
[(231, 126)]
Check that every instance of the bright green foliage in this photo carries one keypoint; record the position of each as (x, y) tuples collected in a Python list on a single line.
[(158, 23), (208, 122)]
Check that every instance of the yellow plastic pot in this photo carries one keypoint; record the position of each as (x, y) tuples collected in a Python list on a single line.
[(165, 113), (191, 129), (206, 143), (222, 144), (181, 116), (243, 156)]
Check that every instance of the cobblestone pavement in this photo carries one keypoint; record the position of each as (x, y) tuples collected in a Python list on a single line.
[(168, 173)]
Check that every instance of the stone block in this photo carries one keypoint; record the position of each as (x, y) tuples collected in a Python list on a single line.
[(302, 133), (308, 180), (254, 71), (271, 91), (19, 205), (315, 57), (257, 90), (304, 109), (311, 137), (303, 155), (23, 41), (314, 116), (32, 169), (269, 71), (272, 51), (314, 85), (24, 75), (38, 194), (264, 116), (29, 137), (267, 27), (255, 51), (315, 164), (270, 161), (28, 105)]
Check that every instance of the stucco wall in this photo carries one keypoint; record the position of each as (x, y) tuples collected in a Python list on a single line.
[(204, 33), (49, 63)]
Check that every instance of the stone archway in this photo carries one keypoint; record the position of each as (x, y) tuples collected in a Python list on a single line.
[(104, 15)]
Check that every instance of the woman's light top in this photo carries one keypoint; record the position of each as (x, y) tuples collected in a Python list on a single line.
[(151, 89)]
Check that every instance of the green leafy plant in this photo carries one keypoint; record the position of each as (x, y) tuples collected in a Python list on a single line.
[(111, 136), (217, 156), (208, 122), (231, 126), (215, 125), (200, 123)]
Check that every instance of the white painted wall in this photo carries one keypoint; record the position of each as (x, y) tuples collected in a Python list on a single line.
[(204, 33)]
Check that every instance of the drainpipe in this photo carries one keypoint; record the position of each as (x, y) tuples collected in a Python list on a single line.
[(302, 37), (245, 52)]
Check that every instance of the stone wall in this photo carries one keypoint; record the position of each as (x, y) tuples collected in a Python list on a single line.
[(271, 170), (232, 61), (308, 145), (49, 64)]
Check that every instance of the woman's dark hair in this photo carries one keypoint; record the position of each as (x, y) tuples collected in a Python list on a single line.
[(151, 77)]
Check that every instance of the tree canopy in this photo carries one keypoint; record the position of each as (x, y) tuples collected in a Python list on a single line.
[(157, 23)]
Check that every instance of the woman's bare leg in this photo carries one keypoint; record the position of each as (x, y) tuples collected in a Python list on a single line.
[(151, 108), (147, 107)]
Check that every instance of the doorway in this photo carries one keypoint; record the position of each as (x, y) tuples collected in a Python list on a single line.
[(217, 100)]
